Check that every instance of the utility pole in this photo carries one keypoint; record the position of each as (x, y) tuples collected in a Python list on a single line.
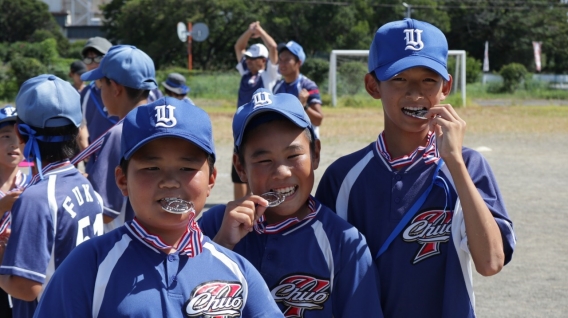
[(408, 8)]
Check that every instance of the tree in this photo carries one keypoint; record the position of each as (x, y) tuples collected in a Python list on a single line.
[(20, 19)]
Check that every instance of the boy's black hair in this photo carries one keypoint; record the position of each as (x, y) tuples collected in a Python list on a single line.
[(261, 118), (133, 94), (210, 162), (56, 151)]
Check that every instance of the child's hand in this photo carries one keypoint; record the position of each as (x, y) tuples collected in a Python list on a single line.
[(239, 219), (450, 130), (3, 242), (8, 200)]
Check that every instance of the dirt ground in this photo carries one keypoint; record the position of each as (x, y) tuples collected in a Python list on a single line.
[(533, 179)]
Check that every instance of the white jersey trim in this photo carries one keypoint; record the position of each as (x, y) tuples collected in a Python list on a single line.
[(105, 270), (325, 246), (22, 270), (342, 202), (231, 265), (53, 208)]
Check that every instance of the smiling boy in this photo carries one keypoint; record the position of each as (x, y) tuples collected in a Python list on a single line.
[(315, 264), (428, 206), (160, 264)]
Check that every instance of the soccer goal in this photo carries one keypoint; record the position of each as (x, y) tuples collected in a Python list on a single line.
[(346, 66)]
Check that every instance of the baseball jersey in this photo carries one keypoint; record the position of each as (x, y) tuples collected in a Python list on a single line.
[(49, 219), (318, 267), (250, 83), (95, 115), (426, 271), (100, 170), (121, 275), (154, 95), (296, 87)]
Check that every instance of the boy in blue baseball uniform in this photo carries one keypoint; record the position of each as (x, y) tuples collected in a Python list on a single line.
[(59, 209), (315, 263), (12, 182), (427, 205), (125, 77), (291, 57), (160, 264)]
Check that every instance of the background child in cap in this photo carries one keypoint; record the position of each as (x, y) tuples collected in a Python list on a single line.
[(96, 119), (291, 56), (426, 204), (59, 209), (125, 77), (160, 264), (258, 67), (175, 87), (302, 247), (76, 69), (12, 181)]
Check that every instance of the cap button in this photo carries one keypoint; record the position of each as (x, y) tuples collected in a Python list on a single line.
[(51, 78)]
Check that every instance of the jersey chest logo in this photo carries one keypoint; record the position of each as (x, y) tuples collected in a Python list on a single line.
[(215, 299), (301, 292), (429, 229)]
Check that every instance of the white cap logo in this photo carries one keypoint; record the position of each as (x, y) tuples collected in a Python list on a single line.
[(165, 121), (410, 43), (261, 99)]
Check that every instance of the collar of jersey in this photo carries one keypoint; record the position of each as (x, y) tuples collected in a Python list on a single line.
[(262, 228), (190, 244), (429, 153), (51, 168)]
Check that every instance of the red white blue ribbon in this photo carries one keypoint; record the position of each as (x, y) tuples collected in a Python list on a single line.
[(190, 243), (428, 153), (261, 228), (93, 147)]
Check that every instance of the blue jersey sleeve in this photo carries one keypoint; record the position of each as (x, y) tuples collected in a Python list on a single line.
[(485, 182), (101, 174), (312, 88), (29, 249), (69, 292), (211, 220), (356, 289)]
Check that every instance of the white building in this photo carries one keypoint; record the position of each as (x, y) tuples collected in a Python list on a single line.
[(80, 12)]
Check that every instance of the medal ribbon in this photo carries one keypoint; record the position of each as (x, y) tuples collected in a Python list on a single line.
[(261, 228), (190, 243)]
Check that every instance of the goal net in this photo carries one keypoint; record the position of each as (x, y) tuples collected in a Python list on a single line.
[(347, 69)]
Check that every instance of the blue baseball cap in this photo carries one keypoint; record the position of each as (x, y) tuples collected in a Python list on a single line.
[(405, 44), (262, 102), (126, 65), (295, 49), (166, 117), (48, 101), (8, 115)]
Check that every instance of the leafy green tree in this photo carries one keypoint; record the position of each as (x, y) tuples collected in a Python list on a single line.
[(20, 21)]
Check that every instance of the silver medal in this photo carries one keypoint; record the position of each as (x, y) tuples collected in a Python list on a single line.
[(176, 205), (273, 198)]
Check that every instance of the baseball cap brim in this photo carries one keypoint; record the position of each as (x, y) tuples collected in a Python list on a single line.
[(388, 71), (297, 121), (176, 134), (93, 75), (182, 90)]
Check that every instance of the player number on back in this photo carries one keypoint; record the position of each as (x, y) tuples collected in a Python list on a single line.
[(84, 223)]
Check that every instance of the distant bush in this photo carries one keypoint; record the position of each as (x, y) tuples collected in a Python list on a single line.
[(316, 69), (351, 77), (473, 69), (74, 51), (45, 51), (513, 75), (24, 68)]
